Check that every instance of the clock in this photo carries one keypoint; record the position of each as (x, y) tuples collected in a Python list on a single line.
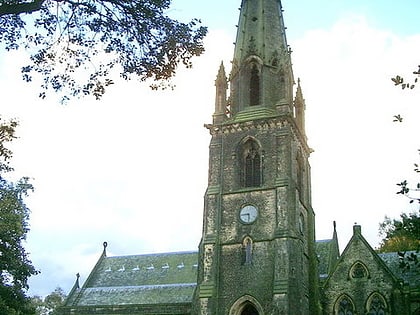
[(248, 214)]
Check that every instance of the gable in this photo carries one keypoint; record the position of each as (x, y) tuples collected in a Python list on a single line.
[(359, 278)]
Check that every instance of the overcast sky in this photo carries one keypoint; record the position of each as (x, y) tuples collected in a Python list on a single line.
[(131, 169)]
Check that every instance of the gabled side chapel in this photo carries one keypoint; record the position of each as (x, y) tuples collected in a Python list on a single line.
[(258, 254)]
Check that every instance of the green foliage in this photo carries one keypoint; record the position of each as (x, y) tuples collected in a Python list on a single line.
[(408, 226), (50, 303), (399, 81), (75, 45), (409, 261), (15, 267), (402, 236), (411, 192), (7, 134)]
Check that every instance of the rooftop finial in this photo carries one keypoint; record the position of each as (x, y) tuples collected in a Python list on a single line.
[(105, 244), (77, 281), (335, 225)]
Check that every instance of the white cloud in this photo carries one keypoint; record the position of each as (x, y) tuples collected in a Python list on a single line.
[(360, 154)]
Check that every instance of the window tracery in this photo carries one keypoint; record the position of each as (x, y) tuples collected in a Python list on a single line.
[(376, 305), (358, 271), (344, 306), (251, 164)]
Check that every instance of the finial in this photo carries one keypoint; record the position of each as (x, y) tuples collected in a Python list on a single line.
[(77, 280), (335, 225), (105, 244), (221, 76)]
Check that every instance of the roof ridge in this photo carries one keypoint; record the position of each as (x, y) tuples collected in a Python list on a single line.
[(154, 254)]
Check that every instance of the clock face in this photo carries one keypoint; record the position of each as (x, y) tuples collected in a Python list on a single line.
[(248, 214)]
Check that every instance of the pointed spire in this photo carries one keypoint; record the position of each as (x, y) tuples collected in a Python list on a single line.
[(300, 109), (261, 68), (334, 254), (221, 84), (261, 30), (221, 79)]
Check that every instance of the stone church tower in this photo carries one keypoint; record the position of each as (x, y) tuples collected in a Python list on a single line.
[(257, 253)]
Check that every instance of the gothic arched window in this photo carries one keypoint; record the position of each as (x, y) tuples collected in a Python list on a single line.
[(251, 164), (376, 305), (358, 270), (344, 306), (254, 86)]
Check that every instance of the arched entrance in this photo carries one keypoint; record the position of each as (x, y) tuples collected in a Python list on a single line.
[(249, 309), (246, 305)]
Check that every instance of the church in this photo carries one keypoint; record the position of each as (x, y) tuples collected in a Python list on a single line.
[(258, 254)]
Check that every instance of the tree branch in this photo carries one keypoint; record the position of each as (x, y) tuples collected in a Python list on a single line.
[(19, 8)]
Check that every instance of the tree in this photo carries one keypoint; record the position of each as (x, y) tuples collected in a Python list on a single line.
[(410, 192), (15, 267), (403, 236), (76, 45), (400, 234), (50, 303)]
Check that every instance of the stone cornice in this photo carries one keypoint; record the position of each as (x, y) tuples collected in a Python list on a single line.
[(268, 123)]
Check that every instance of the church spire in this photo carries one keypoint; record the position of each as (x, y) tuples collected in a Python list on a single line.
[(261, 70), (261, 29)]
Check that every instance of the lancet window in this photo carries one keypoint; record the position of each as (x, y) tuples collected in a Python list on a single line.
[(376, 305), (344, 306), (358, 270), (254, 86), (247, 251)]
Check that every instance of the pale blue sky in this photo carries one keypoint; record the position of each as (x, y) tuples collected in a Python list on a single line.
[(302, 15), (95, 183)]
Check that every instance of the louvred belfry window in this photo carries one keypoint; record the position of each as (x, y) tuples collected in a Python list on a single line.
[(251, 164)]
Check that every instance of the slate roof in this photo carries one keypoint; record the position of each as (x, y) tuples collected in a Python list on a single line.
[(410, 277), (171, 278), (167, 278), (323, 249)]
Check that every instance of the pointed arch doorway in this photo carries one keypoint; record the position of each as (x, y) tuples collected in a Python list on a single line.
[(249, 309), (246, 305)]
